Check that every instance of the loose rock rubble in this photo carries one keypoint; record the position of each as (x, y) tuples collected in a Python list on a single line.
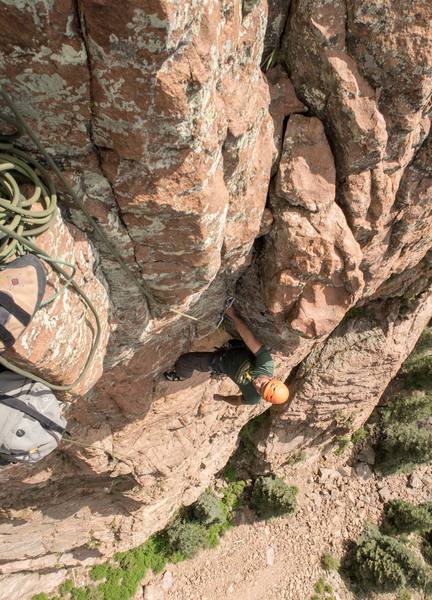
[(280, 559)]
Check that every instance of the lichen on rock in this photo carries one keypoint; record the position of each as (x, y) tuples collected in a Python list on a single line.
[(305, 191)]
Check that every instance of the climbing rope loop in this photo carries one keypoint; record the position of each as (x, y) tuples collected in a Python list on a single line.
[(28, 205), (17, 211)]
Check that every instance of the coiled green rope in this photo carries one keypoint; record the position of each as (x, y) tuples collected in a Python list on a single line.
[(25, 221), (16, 210), (20, 224)]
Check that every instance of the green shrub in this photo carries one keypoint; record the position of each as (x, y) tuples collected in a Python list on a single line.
[(232, 494), (403, 441), (406, 408), (209, 509), (343, 442), (384, 564), (404, 594), (86, 593), (400, 447), (404, 517), (119, 579), (99, 572), (66, 587), (296, 457), (186, 537), (330, 562), (417, 372), (426, 546), (359, 436), (323, 590), (272, 497), (230, 472), (428, 506)]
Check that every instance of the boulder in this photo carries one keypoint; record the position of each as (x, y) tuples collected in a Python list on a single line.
[(363, 471)]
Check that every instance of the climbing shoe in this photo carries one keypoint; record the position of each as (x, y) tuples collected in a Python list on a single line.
[(172, 376), (22, 287)]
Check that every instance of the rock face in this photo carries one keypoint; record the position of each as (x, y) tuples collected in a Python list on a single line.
[(336, 387), (305, 189), (310, 261)]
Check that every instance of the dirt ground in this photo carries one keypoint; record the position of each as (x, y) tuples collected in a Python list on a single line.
[(280, 559)]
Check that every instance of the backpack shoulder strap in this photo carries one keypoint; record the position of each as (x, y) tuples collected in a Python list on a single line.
[(30, 411)]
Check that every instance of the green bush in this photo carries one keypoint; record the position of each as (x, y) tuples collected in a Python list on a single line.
[(209, 509), (382, 563), (360, 436), (343, 442), (404, 517), (86, 593), (323, 590), (272, 497), (417, 372), (428, 506), (402, 440), (186, 537), (406, 408), (230, 472), (120, 578), (296, 457), (400, 447), (232, 494), (66, 587), (330, 562)]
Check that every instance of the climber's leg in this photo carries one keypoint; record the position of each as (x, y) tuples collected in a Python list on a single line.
[(193, 361), (203, 362)]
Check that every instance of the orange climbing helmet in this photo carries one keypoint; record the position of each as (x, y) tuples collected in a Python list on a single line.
[(275, 392)]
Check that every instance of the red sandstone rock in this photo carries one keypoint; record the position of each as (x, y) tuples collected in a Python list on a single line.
[(335, 390), (283, 103), (56, 345), (307, 283), (351, 63), (164, 123)]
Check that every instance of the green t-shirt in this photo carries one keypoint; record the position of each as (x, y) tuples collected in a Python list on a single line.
[(243, 367)]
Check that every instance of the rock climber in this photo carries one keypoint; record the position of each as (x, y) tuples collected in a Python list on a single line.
[(248, 363)]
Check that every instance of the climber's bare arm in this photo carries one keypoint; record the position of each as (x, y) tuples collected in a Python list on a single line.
[(233, 400), (245, 333)]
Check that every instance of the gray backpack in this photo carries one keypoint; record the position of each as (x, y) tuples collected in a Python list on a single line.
[(31, 421)]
